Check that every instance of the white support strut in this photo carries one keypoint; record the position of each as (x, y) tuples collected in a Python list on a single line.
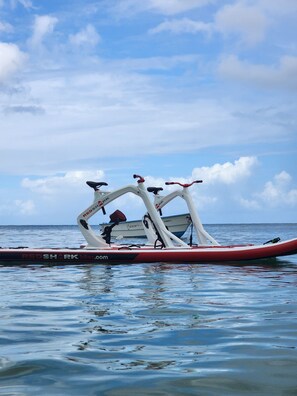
[(204, 238)]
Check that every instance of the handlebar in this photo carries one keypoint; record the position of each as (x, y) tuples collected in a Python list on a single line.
[(140, 178), (186, 185)]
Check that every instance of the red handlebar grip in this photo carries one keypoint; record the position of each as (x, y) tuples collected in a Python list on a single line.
[(141, 179)]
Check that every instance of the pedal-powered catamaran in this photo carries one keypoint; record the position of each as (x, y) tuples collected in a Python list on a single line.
[(163, 246)]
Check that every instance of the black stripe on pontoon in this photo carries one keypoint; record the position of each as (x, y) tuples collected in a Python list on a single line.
[(66, 257)]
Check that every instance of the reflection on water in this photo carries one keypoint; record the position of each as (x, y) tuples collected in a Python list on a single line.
[(150, 329)]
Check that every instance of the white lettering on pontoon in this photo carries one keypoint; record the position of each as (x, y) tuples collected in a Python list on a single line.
[(70, 257), (51, 256), (48, 256), (101, 257)]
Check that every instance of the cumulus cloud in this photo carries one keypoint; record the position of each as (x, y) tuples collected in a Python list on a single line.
[(43, 25), (56, 184), (17, 207), (281, 76), (279, 191), (184, 25), (202, 199), (249, 22), (72, 184), (276, 192), (26, 208), (218, 177), (85, 37), (251, 204), (11, 60), (227, 173)]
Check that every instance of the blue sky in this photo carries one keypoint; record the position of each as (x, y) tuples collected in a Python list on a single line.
[(169, 89)]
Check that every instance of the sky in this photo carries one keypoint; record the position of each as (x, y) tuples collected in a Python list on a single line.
[(173, 90)]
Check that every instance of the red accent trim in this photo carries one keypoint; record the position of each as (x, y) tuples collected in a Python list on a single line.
[(141, 179)]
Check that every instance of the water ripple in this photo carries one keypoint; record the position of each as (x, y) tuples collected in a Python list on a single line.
[(149, 329)]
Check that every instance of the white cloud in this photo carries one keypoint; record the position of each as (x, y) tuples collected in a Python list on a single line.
[(84, 110), (184, 25), (213, 178), (277, 7), (43, 25), (87, 36), (5, 27), (279, 191), (26, 208), (25, 3), (251, 204), (65, 184), (240, 19), (165, 7), (217, 178), (227, 173), (11, 60), (170, 7), (202, 198), (158, 62), (281, 76)]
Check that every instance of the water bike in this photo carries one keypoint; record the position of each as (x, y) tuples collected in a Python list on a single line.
[(162, 246)]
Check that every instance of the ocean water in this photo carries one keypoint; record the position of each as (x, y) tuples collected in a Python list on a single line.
[(149, 329)]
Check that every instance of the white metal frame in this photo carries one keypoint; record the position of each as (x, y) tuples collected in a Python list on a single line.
[(103, 198)]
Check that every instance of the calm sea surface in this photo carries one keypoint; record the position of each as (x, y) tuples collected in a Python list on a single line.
[(148, 329)]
